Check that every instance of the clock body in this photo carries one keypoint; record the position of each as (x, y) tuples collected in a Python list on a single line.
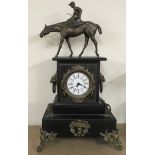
[(78, 79), (77, 108)]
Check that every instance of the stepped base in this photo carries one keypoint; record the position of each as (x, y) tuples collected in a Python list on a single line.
[(62, 124), (79, 125)]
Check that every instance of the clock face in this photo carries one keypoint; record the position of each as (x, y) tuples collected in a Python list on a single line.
[(78, 83)]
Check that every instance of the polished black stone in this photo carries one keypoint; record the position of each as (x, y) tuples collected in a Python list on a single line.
[(59, 123), (78, 108), (66, 63), (64, 58), (63, 110)]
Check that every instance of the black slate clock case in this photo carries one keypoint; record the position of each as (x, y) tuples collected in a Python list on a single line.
[(60, 114), (92, 64)]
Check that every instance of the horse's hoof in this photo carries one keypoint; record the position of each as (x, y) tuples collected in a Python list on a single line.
[(80, 55), (56, 55), (70, 55), (97, 54)]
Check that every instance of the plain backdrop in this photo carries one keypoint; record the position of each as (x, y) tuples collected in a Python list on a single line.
[(140, 32), (110, 15)]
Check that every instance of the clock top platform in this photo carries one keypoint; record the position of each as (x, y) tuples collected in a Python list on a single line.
[(64, 58)]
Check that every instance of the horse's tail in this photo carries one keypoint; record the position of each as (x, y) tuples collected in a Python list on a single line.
[(99, 29)]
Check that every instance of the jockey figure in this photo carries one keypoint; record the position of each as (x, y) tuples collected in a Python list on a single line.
[(75, 20)]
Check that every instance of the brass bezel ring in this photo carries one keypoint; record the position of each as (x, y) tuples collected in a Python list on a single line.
[(74, 69)]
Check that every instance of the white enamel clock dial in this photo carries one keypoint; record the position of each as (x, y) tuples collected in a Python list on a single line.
[(78, 83)]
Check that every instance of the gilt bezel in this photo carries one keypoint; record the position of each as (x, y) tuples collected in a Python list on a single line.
[(83, 97)]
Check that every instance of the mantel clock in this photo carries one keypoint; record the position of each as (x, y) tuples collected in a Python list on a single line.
[(77, 109)]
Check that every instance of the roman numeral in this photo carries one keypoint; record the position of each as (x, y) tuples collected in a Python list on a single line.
[(74, 76), (70, 87), (84, 80), (70, 79)]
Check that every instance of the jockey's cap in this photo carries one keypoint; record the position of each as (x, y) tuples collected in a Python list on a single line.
[(72, 3)]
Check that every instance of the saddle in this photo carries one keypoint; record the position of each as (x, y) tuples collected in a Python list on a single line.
[(74, 22)]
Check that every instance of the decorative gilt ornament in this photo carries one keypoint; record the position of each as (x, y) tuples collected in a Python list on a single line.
[(112, 137), (78, 83), (79, 128), (54, 82), (45, 138)]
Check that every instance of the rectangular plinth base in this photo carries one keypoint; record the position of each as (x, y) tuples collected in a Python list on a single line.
[(78, 108), (67, 124)]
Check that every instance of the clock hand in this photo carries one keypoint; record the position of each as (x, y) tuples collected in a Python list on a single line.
[(78, 84), (81, 85)]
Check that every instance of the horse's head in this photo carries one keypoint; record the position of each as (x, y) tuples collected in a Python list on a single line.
[(45, 31)]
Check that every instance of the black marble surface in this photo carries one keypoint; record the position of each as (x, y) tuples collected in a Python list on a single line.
[(91, 58)]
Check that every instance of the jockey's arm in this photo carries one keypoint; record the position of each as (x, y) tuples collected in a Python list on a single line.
[(76, 16)]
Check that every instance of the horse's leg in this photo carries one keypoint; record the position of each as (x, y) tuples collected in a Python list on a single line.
[(60, 45), (85, 45), (95, 43), (69, 45)]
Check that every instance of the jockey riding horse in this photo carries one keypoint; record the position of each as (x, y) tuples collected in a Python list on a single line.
[(75, 20), (74, 27)]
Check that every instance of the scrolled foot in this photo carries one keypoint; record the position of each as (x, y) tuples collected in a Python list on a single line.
[(39, 148), (113, 138), (120, 147), (45, 138)]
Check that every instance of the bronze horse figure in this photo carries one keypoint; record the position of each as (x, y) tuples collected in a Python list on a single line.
[(66, 31)]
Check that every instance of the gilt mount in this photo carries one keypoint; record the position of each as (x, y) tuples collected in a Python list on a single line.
[(79, 128), (81, 69)]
